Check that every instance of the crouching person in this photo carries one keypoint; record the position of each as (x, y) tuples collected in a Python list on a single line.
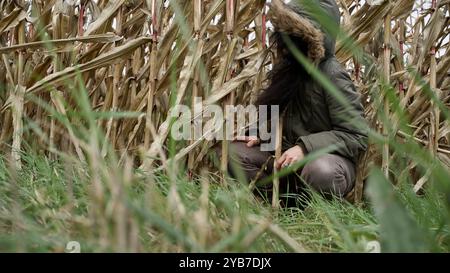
[(313, 118)]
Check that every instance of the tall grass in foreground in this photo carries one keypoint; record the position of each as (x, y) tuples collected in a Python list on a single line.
[(85, 114), (50, 203)]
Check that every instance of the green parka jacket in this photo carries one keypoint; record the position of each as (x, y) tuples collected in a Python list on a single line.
[(318, 119)]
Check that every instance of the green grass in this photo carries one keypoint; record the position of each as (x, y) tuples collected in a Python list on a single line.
[(49, 203)]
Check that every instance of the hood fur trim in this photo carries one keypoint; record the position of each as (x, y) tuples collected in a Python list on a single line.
[(287, 21)]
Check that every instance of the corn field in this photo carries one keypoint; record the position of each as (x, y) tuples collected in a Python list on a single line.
[(125, 52), (127, 62)]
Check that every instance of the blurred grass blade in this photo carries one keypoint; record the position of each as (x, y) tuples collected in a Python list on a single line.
[(398, 229)]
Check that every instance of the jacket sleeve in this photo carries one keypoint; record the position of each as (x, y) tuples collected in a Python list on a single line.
[(346, 132)]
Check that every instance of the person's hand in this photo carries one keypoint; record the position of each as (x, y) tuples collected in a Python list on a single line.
[(289, 157), (251, 140)]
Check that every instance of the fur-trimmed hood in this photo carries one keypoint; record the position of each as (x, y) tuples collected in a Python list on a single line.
[(293, 19)]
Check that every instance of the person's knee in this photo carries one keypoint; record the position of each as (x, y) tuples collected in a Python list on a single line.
[(236, 150), (326, 175), (239, 152), (238, 155)]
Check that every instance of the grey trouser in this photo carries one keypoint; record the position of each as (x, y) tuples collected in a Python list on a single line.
[(329, 174)]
